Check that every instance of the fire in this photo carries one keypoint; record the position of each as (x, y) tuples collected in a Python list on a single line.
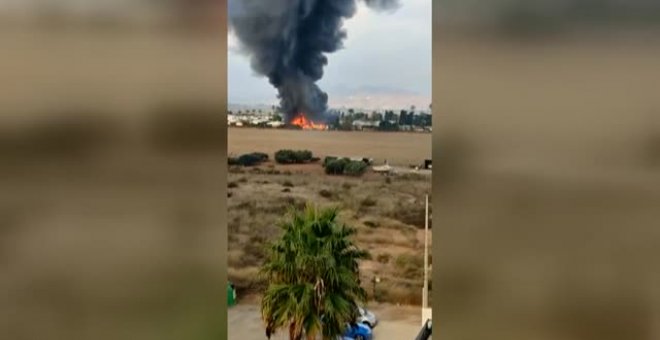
[(306, 124)]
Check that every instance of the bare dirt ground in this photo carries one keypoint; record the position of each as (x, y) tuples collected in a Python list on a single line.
[(395, 322), (397, 148), (387, 212)]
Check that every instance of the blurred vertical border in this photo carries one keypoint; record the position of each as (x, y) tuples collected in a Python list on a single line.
[(546, 184), (112, 169)]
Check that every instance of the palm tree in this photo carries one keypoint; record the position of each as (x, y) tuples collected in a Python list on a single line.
[(313, 276)]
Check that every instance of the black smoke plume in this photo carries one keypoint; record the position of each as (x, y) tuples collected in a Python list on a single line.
[(287, 41)]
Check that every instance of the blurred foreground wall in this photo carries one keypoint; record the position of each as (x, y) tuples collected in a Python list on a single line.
[(112, 142), (547, 183)]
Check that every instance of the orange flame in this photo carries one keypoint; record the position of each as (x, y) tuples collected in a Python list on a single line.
[(306, 124)]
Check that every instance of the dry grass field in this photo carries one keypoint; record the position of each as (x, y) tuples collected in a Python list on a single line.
[(387, 211), (397, 148)]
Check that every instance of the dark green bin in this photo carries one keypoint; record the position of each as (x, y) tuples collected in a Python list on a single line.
[(231, 294)]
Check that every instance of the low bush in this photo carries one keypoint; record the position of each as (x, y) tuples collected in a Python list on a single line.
[(260, 155), (344, 166), (336, 166), (328, 159), (355, 168), (293, 156), (249, 160)]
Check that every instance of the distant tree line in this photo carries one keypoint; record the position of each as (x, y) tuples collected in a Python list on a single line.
[(388, 120), (351, 119)]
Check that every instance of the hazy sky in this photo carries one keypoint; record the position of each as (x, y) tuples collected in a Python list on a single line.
[(386, 62)]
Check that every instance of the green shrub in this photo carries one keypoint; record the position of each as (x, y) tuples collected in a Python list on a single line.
[(336, 166), (355, 168), (260, 155), (303, 156), (285, 156), (328, 159), (343, 166), (293, 156), (249, 160)]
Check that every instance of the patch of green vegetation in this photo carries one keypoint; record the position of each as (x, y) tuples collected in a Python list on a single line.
[(293, 156)]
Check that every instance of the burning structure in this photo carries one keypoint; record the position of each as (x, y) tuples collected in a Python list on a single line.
[(287, 41), (302, 122)]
